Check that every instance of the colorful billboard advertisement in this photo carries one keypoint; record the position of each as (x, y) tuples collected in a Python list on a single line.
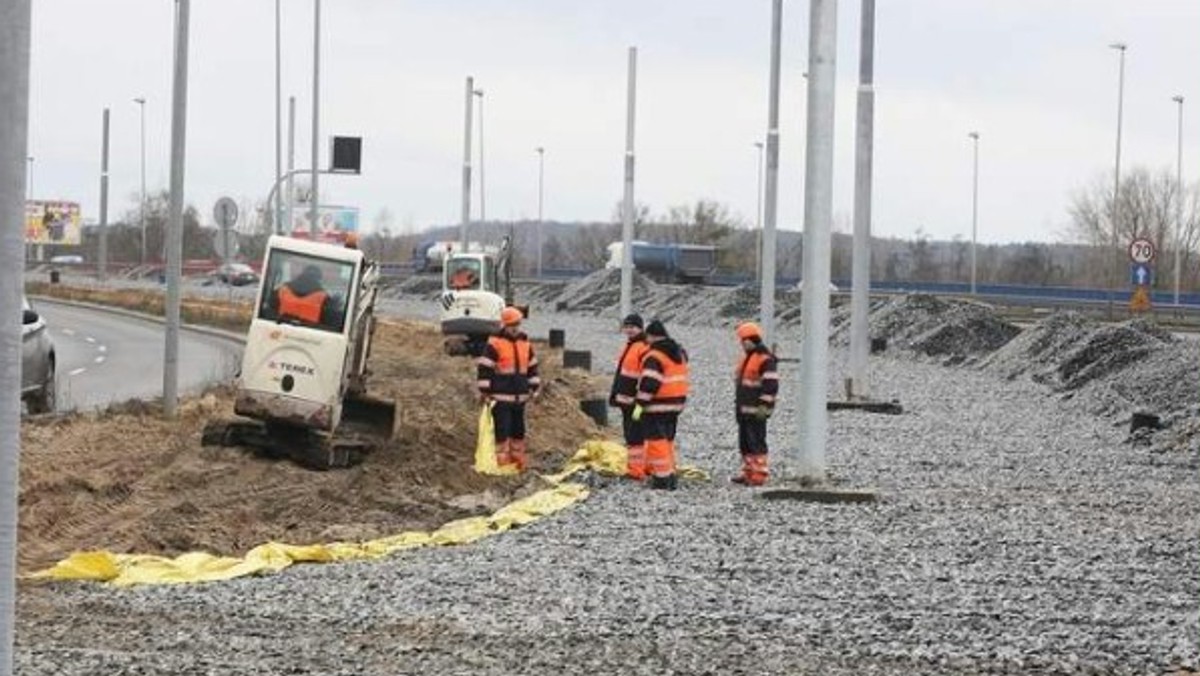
[(332, 225), (49, 222)]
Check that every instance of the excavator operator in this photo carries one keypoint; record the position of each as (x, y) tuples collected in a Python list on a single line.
[(305, 299)]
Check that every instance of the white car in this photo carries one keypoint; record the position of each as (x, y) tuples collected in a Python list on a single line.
[(832, 287), (38, 389)]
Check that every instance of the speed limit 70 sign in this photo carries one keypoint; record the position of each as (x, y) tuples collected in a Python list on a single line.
[(1141, 250)]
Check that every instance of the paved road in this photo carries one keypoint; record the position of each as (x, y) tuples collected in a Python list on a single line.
[(105, 358)]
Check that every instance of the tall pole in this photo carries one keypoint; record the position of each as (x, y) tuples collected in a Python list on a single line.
[(482, 191), (974, 136), (818, 217), (541, 185), (1179, 240), (141, 101), (314, 208), (1118, 259), (758, 198), (771, 198), (102, 266), (466, 172), (864, 156), (627, 203), (277, 215), (14, 149), (175, 222), (30, 160), (286, 226)]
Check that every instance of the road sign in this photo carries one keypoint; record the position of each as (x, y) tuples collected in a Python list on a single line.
[(225, 212), (225, 244), (1141, 250), (1141, 274), (1140, 300)]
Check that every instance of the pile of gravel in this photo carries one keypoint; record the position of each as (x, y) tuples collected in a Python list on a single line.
[(425, 286), (955, 331)]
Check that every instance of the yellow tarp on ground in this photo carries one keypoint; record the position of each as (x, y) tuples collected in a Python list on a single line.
[(604, 457)]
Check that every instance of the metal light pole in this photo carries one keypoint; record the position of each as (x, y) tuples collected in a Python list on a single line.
[(102, 267), (141, 101), (175, 221), (466, 172), (14, 138), (314, 208), (758, 196), (974, 136), (541, 152), (30, 160), (864, 156), (278, 213), (627, 203), (771, 198), (482, 192), (818, 218), (286, 226), (1118, 259), (1179, 243)]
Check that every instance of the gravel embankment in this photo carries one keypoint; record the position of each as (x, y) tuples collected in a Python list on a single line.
[(1016, 534)]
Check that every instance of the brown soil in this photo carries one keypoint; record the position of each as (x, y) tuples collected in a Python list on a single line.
[(128, 481)]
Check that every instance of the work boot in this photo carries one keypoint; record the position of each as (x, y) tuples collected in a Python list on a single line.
[(739, 479), (665, 483)]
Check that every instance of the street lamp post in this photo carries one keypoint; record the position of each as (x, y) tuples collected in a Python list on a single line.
[(974, 136), (1179, 243), (141, 101), (541, 152), (758, 215), (1116, 206), (30, 158), (482, 192)]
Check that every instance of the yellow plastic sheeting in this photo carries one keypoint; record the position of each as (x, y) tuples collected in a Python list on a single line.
[(485, 447), (134, 569), (611, 458)]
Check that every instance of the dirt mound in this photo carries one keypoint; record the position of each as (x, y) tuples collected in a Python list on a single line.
[(601, 291), (128, 481), (954, 330)]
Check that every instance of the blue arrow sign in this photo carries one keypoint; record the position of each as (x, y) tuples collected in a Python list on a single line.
[(1140, 274)]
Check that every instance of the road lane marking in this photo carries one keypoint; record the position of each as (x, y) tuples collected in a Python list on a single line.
[(99, 360), (102, 348), (68, 332), (89, 339), (76, 371)]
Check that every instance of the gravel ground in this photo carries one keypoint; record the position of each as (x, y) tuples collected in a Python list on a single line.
[(1016, 534)]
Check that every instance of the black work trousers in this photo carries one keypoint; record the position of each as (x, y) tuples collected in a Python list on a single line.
[(635, 430), (752, 435), (508, 420)]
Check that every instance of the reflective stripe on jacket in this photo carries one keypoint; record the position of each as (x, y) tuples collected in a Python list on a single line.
[(629, 370), (508, 369), (305, 308), (757, 380), (663, 386)]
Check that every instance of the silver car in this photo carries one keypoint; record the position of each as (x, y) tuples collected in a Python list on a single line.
[(37, 362)]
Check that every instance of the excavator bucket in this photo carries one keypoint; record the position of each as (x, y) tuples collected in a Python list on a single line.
[(370, 415)]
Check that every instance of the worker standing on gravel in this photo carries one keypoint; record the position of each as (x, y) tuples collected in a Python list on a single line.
[(757, 385), (661, 396), (624, 393), (507, 374)]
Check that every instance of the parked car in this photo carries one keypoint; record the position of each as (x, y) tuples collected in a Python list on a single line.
[(236, 274), (38, 389)]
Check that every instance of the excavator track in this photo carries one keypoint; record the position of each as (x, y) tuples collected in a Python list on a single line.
[(304, 447)]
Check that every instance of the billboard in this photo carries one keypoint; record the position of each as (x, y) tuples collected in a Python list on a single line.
[(49, 222), (333, 223)]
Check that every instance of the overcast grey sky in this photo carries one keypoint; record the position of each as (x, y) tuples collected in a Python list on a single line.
[(1035, 77)]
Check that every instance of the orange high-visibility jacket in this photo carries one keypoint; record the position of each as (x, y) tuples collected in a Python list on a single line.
[(663, 386), (757, 380), (305, 308), (508, 369), (629, 370)]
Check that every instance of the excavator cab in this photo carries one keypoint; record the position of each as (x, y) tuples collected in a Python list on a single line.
[(476, 286), (304, 367)]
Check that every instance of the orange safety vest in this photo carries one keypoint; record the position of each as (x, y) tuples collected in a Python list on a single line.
[(508, 369), (629, 369), (672, 391), (757, 381), (305, 308)]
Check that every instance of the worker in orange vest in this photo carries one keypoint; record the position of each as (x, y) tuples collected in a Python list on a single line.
[(757, 386), (624, 393), (304, 298), (661, 396), (507, 375)]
